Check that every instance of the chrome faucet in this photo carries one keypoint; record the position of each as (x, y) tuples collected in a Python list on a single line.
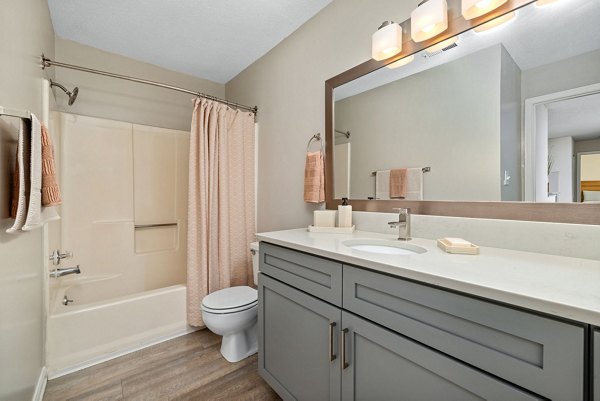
[(403, 223), (63, 272)]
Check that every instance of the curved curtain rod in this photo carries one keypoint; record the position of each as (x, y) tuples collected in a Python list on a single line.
[(46, 62)]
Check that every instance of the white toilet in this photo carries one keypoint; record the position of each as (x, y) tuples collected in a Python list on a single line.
[(232, 313)]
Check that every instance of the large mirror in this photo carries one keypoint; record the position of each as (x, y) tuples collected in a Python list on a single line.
[(510, 113)]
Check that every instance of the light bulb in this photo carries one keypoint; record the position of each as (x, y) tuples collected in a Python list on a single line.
[(387, 41), (428, 20), (476, 8)]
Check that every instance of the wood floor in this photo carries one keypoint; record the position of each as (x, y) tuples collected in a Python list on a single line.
[(185, 368)]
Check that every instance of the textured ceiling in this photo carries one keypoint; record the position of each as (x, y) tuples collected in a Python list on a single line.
[(206, 38), (578, 117)]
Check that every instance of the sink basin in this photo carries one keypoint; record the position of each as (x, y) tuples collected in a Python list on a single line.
[(384, 247)]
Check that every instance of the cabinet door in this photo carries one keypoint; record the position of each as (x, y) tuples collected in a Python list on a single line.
[(298, 342), (596, 366), (383, 365)]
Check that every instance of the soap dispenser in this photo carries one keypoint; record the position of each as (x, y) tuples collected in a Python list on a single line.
[(344, 214)]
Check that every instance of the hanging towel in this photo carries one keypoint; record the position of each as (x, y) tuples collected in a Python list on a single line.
[(314, 178), (414, 189), (20, 189), (34, 209), (382, 184), (398, 183), (50, 189)]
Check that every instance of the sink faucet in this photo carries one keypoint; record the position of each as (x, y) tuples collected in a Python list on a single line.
[(403, 223), (63, 272)]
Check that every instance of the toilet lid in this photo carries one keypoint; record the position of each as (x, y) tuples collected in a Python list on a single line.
[(232, 297)]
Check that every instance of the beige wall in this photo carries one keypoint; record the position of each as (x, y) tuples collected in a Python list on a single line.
[(121, 100), (287, 84), (405, 124), (590, 167), (590, 145), (26, 31)]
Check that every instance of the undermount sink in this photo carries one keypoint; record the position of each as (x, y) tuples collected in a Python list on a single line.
[(384, 247)]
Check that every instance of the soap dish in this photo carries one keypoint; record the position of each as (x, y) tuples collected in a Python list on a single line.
[(446, 246), (331, 230)]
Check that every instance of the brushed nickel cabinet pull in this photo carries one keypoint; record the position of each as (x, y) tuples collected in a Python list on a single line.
[(345, 363), (332, 356)]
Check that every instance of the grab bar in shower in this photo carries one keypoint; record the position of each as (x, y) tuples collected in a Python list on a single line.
[(142, 226)]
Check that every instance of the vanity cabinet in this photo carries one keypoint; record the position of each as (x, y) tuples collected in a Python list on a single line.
[(596, 365), (391, 338)]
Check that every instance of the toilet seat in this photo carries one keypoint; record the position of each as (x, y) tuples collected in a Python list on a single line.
[(230, 300)]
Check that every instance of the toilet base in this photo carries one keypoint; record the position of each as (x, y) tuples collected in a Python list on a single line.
[(240, 345)]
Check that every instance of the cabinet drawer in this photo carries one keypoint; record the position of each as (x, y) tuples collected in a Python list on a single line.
[(317, 276), (537, 353)]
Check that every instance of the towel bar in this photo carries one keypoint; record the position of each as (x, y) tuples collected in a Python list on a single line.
[(424, 169)]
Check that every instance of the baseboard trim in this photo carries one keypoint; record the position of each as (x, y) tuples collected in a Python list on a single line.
[(40, 387), (116, 354)]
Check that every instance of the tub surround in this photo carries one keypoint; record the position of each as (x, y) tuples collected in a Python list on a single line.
[(562, 286)]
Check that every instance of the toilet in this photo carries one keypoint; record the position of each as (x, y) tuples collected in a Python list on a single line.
[(232, 313)]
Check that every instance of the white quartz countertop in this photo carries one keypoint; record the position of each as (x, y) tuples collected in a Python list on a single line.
[(557, 285)]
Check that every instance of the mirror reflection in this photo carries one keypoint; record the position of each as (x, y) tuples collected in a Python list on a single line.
[(509, 113)]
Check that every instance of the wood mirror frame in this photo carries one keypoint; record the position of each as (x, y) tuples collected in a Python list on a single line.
[(576, 213)]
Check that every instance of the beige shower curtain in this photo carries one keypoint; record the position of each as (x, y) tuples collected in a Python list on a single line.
[(221, 202)]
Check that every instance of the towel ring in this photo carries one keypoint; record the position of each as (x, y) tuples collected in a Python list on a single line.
[(316, 137)]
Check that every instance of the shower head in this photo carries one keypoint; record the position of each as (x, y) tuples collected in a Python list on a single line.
[(72, 95)]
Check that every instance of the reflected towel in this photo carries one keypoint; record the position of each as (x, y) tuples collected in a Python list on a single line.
[(20, 189), (382, 184), (34, 209), (314, 178), (50, 189), (414, 189), (398, 183)]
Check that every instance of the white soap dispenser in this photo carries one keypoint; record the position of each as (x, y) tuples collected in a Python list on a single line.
[(344, 214)]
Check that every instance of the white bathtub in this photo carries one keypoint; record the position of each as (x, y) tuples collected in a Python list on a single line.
[(93, 329)]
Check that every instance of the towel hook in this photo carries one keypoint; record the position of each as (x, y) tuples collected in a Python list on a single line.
[(316, 137)]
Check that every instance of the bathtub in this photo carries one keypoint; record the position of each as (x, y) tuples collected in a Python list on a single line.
[(104, 322)]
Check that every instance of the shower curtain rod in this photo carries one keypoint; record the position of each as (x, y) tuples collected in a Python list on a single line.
[(46, 62)]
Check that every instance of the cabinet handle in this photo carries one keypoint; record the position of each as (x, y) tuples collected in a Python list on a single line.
[(345, 363), (332, 356)]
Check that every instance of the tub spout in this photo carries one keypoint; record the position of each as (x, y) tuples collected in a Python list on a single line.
[(63, 272)]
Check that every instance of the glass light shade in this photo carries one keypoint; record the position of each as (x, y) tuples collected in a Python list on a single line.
[(442, 45), (386, 42), (495, 22), (401, 62), (428, 20), (544, 2), (476, 8)]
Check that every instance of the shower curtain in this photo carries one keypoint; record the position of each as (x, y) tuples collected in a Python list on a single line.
[(221, 202)]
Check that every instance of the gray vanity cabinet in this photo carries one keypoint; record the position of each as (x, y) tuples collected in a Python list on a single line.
[(383, 365), (596, 365), (329, 331), (299, 343)]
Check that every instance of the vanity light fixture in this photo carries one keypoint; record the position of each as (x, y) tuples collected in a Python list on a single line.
[(387, 41), (442, 45), (429, 19), (401, 62), (495, 22), (476, 8)]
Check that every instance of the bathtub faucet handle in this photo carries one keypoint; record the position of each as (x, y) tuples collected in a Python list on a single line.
[(57, 256)]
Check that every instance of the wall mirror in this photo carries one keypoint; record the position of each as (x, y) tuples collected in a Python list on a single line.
[(501, 118)]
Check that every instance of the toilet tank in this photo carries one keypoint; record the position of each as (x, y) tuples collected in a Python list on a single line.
[(254, 251)]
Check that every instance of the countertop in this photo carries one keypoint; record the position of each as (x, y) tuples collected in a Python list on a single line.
[(557, 285)]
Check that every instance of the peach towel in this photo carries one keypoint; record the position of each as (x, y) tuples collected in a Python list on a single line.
[(50, 189), (398, 183), (314, 178)]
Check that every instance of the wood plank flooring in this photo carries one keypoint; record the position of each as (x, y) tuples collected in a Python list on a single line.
[(188, 368)]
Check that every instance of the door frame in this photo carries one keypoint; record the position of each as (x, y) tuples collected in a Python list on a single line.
[(529, 131)]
